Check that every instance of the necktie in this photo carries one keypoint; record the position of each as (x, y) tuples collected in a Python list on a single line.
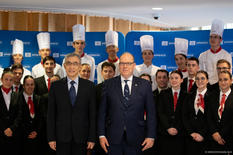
[(72, 93), (49, 83), (16, 89), (126, 93), (175, 100), (201, 102), (190, 85), (221, 105), (31, 106)]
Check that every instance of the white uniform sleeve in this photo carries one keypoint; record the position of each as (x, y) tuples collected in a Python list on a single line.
[(99, 76), (92, 77)]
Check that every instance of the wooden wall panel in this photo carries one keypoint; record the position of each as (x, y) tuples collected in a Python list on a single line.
[(154, 28), (43, 22), (98, 24), (121, 25), (33, 21), (18, 21), (3, 20), (56, 22), (139, 26)]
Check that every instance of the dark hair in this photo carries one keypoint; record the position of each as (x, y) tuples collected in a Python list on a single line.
[(182, 55), (27, 77), (177, 72), (226, 72), (145, 74), (48, 58), (193, 59), (108, 64), (17, 66), (223, 61), (6, 70), (162, 70), (203, 72), (56, 75)]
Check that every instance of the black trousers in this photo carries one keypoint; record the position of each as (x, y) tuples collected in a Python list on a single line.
[(71, 148), (124, 148)]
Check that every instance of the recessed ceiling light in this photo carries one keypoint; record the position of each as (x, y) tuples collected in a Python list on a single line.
[(158, 9)]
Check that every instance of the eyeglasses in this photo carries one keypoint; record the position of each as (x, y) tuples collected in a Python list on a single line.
[(126, 63), (200, 79), (72, 63), (222, 68)]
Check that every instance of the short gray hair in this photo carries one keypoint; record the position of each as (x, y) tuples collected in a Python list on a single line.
[(72, 55)]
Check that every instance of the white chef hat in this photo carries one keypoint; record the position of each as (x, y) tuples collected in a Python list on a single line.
[(217, 27), (147, 43), (78, 32), (111, 38), (181, 46), (43, 40), (17, 47)]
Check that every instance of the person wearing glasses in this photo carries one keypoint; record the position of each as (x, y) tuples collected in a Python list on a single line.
[(79, 45), (71, 125), (222, 65), (209, 58), (195, 117), (147, 49), (43, 40), (189, 83), (122, 129)]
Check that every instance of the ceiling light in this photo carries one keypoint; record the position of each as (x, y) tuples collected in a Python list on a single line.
[(158, 9)]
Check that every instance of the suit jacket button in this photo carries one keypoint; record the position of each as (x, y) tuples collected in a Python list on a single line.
[(195, 117)]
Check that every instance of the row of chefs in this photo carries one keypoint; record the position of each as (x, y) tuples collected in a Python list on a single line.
[(195, 120), (208, 59)]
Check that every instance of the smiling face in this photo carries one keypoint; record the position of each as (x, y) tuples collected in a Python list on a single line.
[(17, 58), (147, 56), (85, 71), (224, 81), (201, 81), (175, 80), (79, 46), (29, 86), (126, 65), (7, 80), (72, 66), (162, 80), (180, 61), (49, 66)]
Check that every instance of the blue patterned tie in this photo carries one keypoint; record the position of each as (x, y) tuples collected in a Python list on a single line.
[(72, 93), (126, 93)]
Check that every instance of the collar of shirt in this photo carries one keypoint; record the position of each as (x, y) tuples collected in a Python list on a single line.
[(178, 92), (16, 86), (227, 93), (26, 96), (75, 85), (202, 92), (130, 80), (191, 79)]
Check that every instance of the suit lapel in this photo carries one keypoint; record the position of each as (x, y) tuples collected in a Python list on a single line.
[(66, 89), (2, 101), (119, 88), (134, 87), (227, 103)]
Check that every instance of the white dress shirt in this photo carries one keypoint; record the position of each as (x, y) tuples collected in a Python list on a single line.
[(196, 101), (220, 98), (129, 83), (7, 98)]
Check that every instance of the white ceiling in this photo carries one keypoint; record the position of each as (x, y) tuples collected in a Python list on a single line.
[(175, 13)]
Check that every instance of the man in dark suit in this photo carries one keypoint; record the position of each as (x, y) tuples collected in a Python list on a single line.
[(189, 84), (220, 114), (17, 69), (42, 84), (121, 125), (71, 125)]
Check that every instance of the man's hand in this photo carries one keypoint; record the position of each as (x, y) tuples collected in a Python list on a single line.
[(197, 137), (52, 145), (32, 135), (8, 132), (172, 131), (217, 137), (90, 145), (104, 143), (148, 143)]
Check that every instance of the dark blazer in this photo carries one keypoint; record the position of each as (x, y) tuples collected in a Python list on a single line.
[(167, 116), (215, 87), (114, 116), (67, 122), (195, 122), (10, 119), (225, 124), (20, 89), (30, 124), (40, 86), (99, 88), (184, 86)]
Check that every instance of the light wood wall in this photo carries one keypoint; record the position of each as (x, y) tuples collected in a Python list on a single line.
[(61, 22)]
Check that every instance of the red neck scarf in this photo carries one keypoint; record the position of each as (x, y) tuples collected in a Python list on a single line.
[(6, 90), (214, 52)]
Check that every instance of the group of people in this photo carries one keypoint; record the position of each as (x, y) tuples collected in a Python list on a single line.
[(133, 110)]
